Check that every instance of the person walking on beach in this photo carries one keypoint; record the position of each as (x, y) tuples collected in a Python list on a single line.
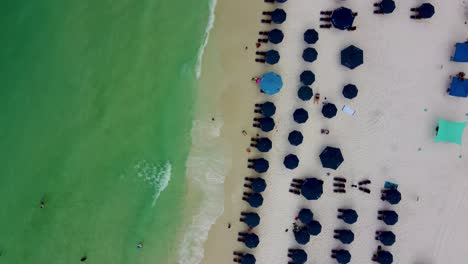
[(316, 98)]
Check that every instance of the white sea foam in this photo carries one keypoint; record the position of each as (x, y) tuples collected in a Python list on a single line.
[(158, 176), (209, 26)]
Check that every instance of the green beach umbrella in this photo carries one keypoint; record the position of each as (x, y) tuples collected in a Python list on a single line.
[(451, 132)]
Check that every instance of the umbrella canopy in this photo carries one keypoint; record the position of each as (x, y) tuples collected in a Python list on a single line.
[(350, 91), (295, 138), (281, 1), (305, 216), (342, 18), (309, 54), (263, 144), (349, 216), (390, 217), (384, 257), (329, 110), (342, 256), (314, 228), (271, 83), (387, 238), (291, 161), (258, 185), (311, 36), (393, 196), (272, 57), (251, 240), (300, 115), (255, 200), (302, 236), (278, 16), (345, 236), (307, 77), (266, 124), (248, 259), (352, 57), (275, 36), (387, 6), (331, 158), (451, 132), (426, 10), (268, 109), (299, 256), (252, 219), (312, 188), (305, 93), (260, 165)]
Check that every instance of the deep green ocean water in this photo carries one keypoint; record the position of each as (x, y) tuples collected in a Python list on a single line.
[(96, 100)]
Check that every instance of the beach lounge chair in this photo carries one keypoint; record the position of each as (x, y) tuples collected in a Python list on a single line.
[(348, 110), (458, 87), (461, 52)]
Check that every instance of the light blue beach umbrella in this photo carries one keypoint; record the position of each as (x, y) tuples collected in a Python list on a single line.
[(271, 83)]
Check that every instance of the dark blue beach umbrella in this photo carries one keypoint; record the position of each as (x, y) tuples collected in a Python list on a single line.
[(267, 124), (275, 36), (311, 36), (255, 200), (350, 91), (345, 236), (305, 216), (258, 185), (426, 10), (314, 228), (312, 188), (260, 165), (281, 1), (349, 216), (300, 115), (295, 138), (331, 158), (268, 109), (342, 256), (263, 144), (387, 238), (291, 161), (329, 110), (307, 77), (299, 256), (309, 54), (342, 18), (384, 257), (387, 6), (389, 217), (248, 259), (393, 196), (302, 236), (305, 93), (251, 240), (352, 57), (272, 57), (251, 219), (278, 16)]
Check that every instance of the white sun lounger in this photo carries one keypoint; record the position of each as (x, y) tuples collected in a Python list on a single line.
[(348, 110)]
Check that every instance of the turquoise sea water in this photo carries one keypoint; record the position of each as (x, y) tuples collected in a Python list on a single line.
[(96, 102)]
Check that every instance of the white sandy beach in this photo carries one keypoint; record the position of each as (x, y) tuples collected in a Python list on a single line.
[(402, 92)]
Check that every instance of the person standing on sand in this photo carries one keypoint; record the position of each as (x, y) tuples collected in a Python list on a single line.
[(316, 98)]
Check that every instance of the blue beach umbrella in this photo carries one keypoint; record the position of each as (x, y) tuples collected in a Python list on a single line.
[(251, 240), (305, 216), (291, 161), (295, 138), (342, 256), (314, 228), (271, 83), (260, 165), (255, 200), (387, 6), (345, 236), (352, 57), (266, 124), (272, 57), (309, 54), (426, 10), (263, 144), (281, 1), (387, 238), (251, 219), (349, 216), (384, 257), (268, 109), (300, 115), (350, 91), (329, 110), (302, 236), (331, 158), (248, 259), (342, 18), (312, 188), (299, 256), (389, 217), (278, 16), (311, 36), (305, 93), (258, 185), (275, 36), (392, 196), (307, 77)]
